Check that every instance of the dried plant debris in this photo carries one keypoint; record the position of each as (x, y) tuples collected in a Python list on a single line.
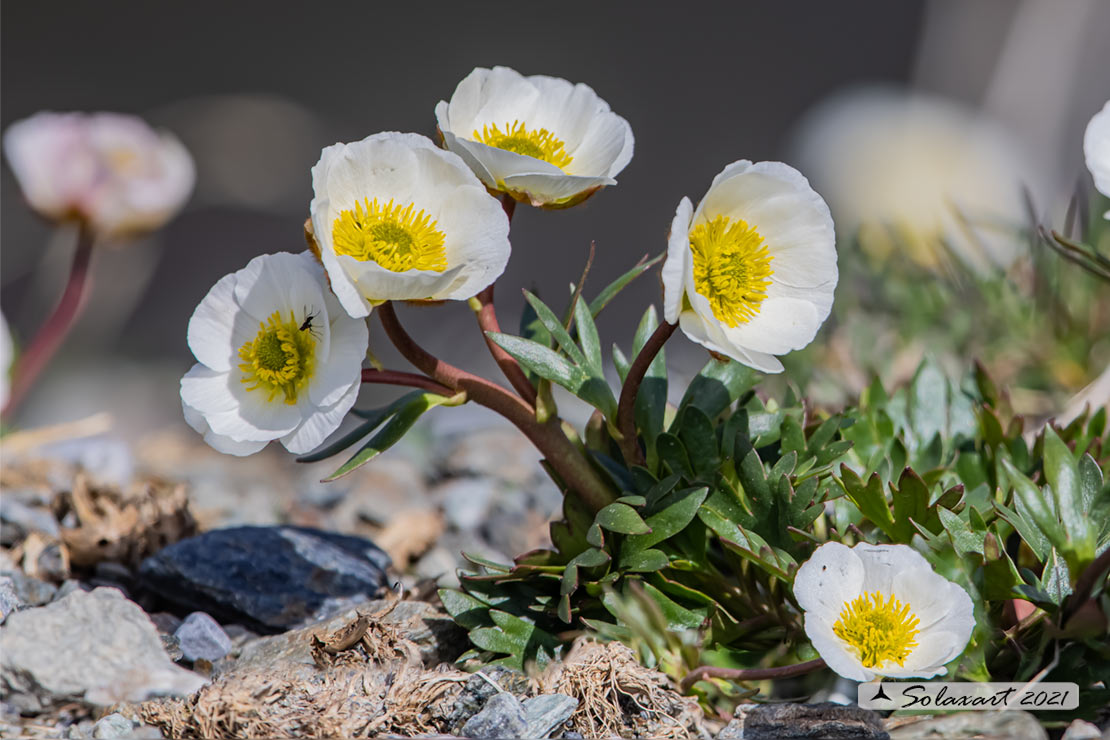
[(619, 697)]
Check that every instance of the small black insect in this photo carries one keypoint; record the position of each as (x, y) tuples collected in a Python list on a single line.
[(308, 325)]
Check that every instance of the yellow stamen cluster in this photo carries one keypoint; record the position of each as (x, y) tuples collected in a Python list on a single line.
[(397, 238), (539, 143), (879, 630), (732, 268), (280, 359)]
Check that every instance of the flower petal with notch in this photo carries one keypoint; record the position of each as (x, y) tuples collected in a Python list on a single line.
[(750, 273), (881, 610), (397, 218), (278, 358), (1096, 151), (543, 140), (110, 170)]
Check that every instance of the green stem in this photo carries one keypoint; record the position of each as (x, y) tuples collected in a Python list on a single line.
[(750, 674), (564, 457), (626, 409)]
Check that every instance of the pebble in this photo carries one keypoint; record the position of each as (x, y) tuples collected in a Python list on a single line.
[(200, 636), (24, 519), (266, 578), (114, 725), (825, 721), (95, 647), (466, 501), (502, 716), (9, 599), (31, 591), (1011, 725), (1080, 730), (546, 713)]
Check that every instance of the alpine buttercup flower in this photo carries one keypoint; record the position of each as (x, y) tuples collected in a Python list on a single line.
[(750, 273), (278, 358), (881, 610), (543, 140), (1096, 150), (397, 218), (108, 169)]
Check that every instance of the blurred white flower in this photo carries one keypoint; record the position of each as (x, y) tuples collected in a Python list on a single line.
[(751, 272), (111, 170), (541, 139), (278, 358), (917, 174), (7, 354), (397, 218), (881, 610), (1096, 150)]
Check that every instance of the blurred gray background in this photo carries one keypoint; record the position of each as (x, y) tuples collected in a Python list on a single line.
[(256, 89)]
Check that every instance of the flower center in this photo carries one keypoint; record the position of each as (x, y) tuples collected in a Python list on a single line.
[(878, 630), (539, 143), (281, 359), (732, 268), (397, 238)]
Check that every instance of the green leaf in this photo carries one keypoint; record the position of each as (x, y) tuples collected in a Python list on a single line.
[(645, 561), (963, 539), (718, 385), (1038, 505), (621, 518), (391, 433), (549, 364), (615, 287), (698, 436), (1026, 529), (588, 338), (673, 455), (1062, 472), (622, 363), (552, 323), (374, 419), (677, 616), (869, 498), (666, 523), (466, 610), (651, 399)]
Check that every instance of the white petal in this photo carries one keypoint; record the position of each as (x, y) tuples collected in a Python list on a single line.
[(501, 163), (674, 268), (884, 564), (606, 148), (218, 328), (226, 445), (343, 364), (1096, 149), (280, 282), (553, 189), (831, 578), (462, 148), (318, 423), (709, 335), (833, 650), (7, 354), (928, 659), (782, 325)]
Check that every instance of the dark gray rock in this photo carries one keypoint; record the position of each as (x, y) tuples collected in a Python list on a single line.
[(825, 721), (172, 646), (31, 591), (734, 730), (95, 647), (477, 691), (501, 717), (200, 636), (266, 578), (546, 713)]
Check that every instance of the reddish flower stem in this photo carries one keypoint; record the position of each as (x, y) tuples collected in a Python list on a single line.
[(563, 456), (750, 674), (396, 377), (50, 336), (626, 408)]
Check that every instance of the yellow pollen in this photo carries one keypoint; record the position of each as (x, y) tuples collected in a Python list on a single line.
[(280, 360), (732, 268), (395, 237), (539, 143), (879, 631)]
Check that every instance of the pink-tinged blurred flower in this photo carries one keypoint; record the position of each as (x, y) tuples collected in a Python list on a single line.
[(110, 170), (1096, 150), (7, 354)]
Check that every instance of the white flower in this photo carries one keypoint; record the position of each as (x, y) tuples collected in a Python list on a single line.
[(7, 354), (111, 170), (278, 358), (751, 272), (918, 176), (881, 610), (397, 218), (1096, 150), (541, 139)]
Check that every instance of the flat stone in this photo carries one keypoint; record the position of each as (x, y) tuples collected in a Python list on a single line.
[(824, 721), (200, 636), (267, 578), (32, 591), (734, 730), (26, 519), (546, 713), (1006, 725), (114, 725), (1080, 730), (501, 717), (95, 647)]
